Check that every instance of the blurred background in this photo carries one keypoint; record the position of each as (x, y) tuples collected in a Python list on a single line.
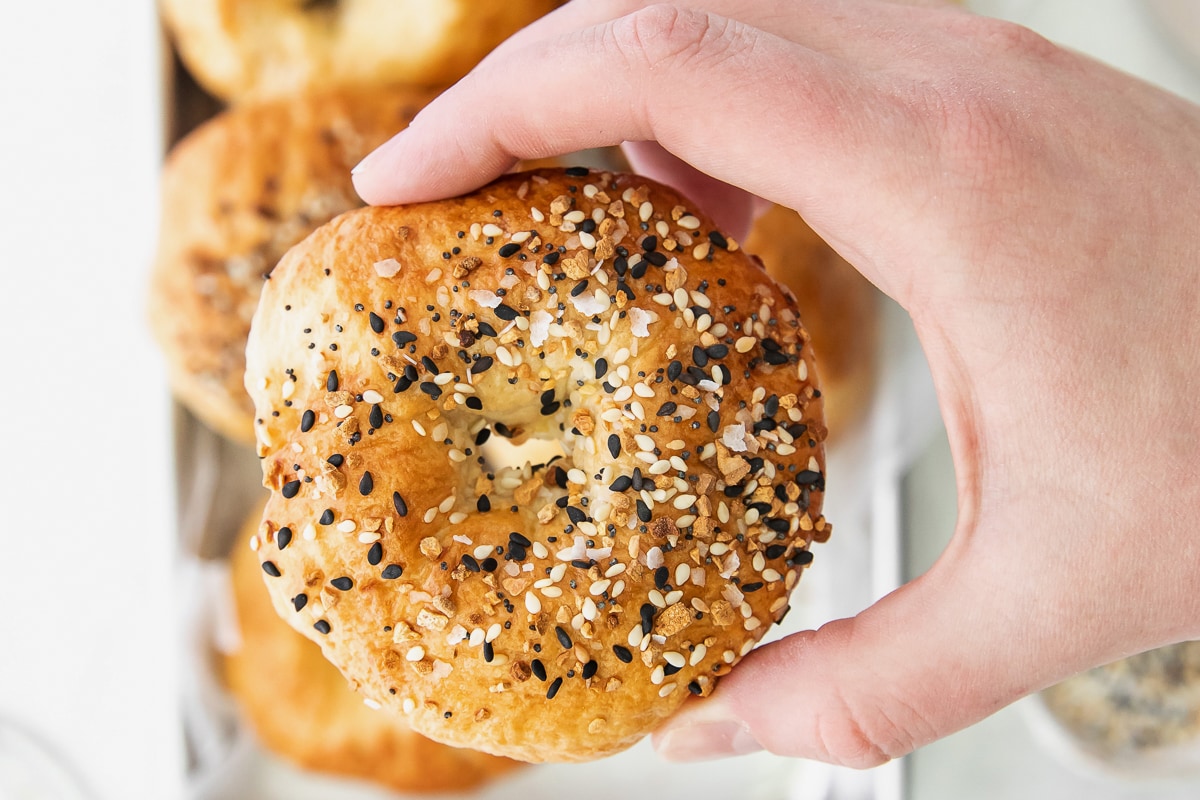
[(113, 683)]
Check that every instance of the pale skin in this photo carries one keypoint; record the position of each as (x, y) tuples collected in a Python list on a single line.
[(1037, 215)]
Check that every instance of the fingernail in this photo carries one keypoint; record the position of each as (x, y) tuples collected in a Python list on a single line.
[(700, 741), (372, 156)]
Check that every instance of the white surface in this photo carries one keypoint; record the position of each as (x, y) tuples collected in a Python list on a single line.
[(86, 658)]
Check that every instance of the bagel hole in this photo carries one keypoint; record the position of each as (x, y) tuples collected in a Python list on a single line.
[(500, 453)]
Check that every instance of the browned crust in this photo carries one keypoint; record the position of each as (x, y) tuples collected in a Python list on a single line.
[(459, 643)]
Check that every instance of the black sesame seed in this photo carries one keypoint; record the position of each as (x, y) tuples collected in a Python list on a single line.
[(752, 587), (699, 356), (775, 358), (554, 687), (402, 338), (375, 554), (322, 626), (401, 506), (650, 243), (470, 563), (300, 601), (576, 172), (488, 653), (563, 638), (290, 489), (509, 250), (482, 365), (622, 653), (717, 350), (589, 669), (647, 613), (802, 557), (718, 240), (714, 421), (376, 416), (473, 403), (483, 435), (550, 258), (775, 550), (661, 576), (517, 538), (667, 409), (694, 688), (431, 389), (614, 445), (674, 369), (307, 421), (392, 571), (366, 484), (283, 537), (538, 669), (657, 259), (331, 382), (778, 525), (807, 477), (326, 517), (576, 515), (376, 322), (643, 511), (270, 568), (505, 312), (621, 484), (345, 584), (483, 504), (670, 669)]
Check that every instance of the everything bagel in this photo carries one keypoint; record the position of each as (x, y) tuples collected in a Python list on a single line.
[(555, 612)]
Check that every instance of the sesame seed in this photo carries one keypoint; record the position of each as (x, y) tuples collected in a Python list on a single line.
[(322, 626), (343, 583), (554, 687), (392, 571), (270, 568), (300, 601)]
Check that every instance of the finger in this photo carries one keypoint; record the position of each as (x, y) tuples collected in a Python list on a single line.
[(864, 28), (734, 210), (939, 654), (655, 63)]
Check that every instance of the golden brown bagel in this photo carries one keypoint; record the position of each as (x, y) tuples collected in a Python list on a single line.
[(300, 707), (237, 193), (839, 306), (240, 49), (552, 614)]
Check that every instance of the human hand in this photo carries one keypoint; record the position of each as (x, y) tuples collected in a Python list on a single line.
[(1034, 211)]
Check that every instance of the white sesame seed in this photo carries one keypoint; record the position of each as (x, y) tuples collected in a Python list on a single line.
[(552, 591), (577, 476), (447, 504), (418, 427), (476, 638), (539, 550), (599, 587), (635, 635), (482, 551), (456, 455), (682, 573), (372, 396), (675, 659), (673, 597), (642, 390), (492, 632), (343, 411), (577, 216), (663, 299), (656, 597), (657, 675), (617, 589), (532, 604), (660, 467), (442, 378), (698, 654), (458, 517), (369, 537), (688, 222), (718, 548), (347, 526), (557, 572), (415, 653), (492, 229), (645, 211), (310, 533), (537, 215), (771, 575), (683, 501), (429, 515)]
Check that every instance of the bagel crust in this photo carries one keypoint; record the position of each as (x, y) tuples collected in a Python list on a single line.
[(236, 195), (243, 49), (554, 612)]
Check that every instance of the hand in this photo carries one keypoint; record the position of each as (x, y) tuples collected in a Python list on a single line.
[(1034, 211)]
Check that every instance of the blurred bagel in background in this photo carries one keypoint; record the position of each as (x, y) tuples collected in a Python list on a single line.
[(239, 49), (237, 193)]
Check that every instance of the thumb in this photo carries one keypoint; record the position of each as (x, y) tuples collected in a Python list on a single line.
[(931, 658)]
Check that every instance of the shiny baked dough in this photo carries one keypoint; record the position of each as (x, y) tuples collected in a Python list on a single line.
[(839, 306), (236, 194), (556, 613), (300, 707), (240, 49)]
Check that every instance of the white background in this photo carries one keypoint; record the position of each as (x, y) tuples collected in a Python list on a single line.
[(86, 642)]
